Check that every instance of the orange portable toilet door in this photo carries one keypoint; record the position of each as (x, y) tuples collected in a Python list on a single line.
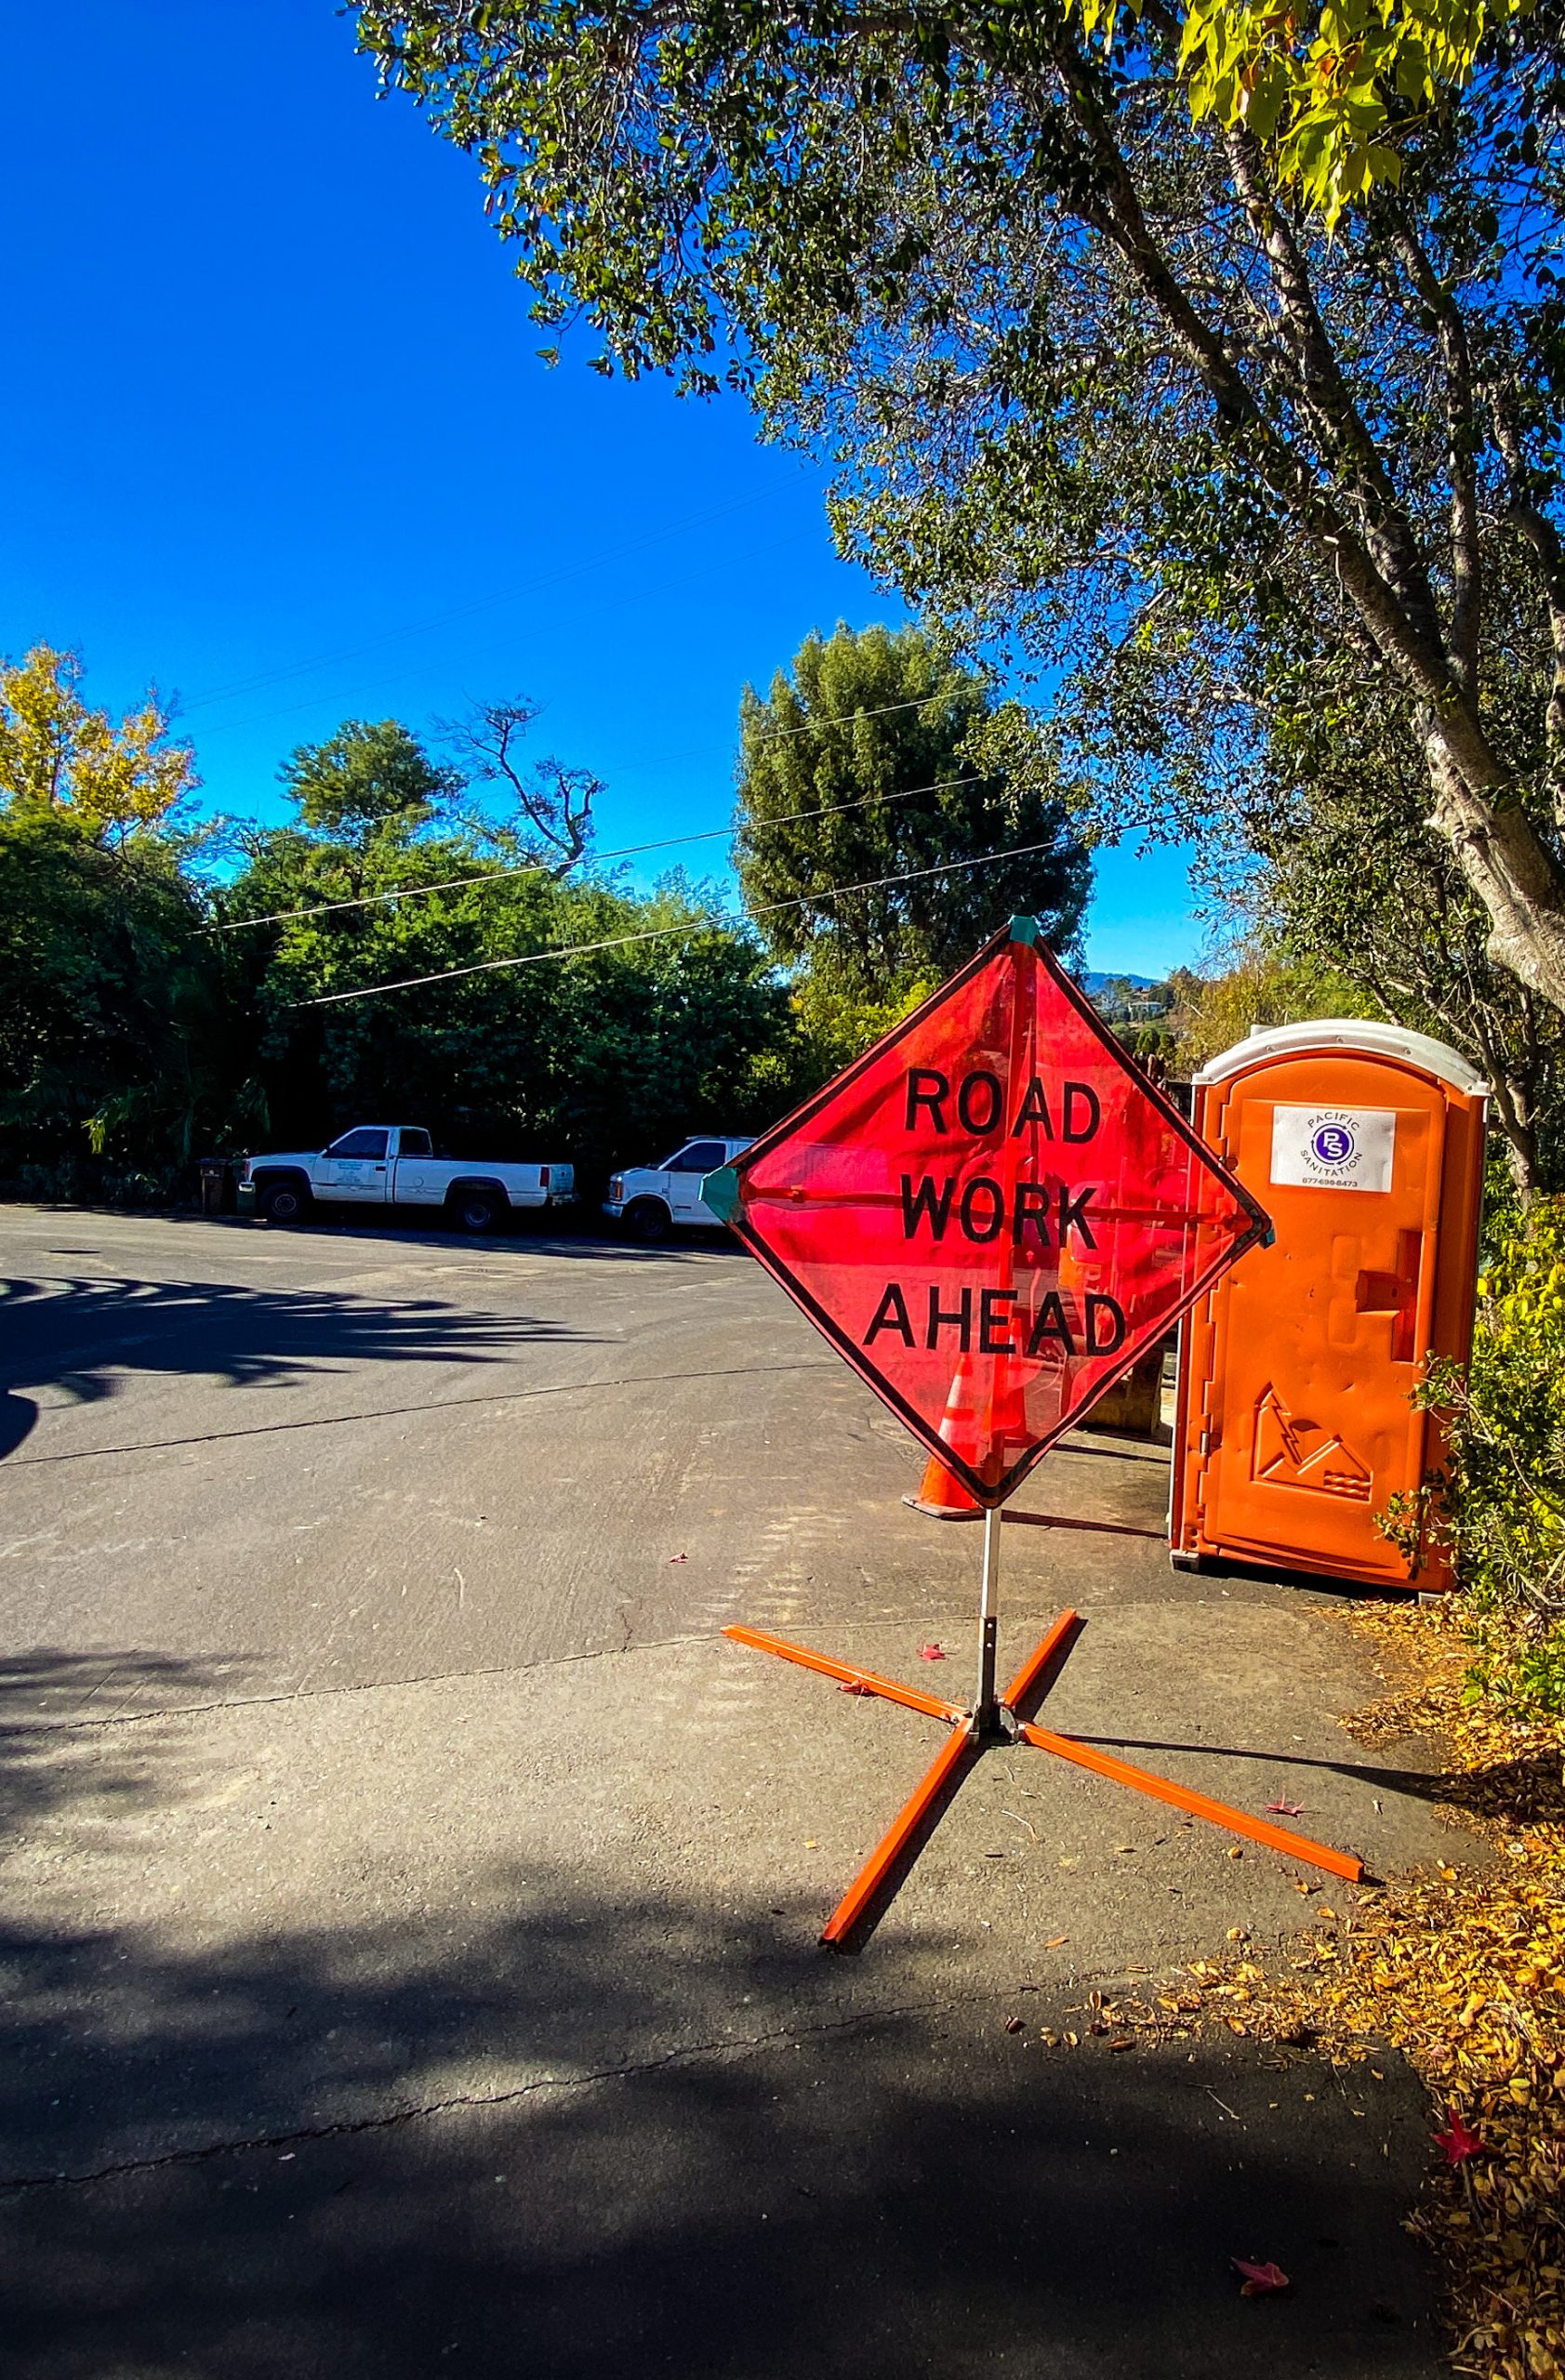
[(1320, 1338)]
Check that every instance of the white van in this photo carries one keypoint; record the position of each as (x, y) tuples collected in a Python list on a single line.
[(651, 1199)]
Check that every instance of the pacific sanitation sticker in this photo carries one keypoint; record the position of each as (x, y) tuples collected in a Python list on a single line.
[(1334, 1148)]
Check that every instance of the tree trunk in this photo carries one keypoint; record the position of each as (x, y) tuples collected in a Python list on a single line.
[(1510, 868), (1521, 1141), (1514, 1093)]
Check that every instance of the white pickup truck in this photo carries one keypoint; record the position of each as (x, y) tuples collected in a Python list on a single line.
[(394, 1165), (649, 1199)]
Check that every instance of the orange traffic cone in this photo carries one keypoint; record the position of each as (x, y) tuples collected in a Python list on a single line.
[(941, 1493)]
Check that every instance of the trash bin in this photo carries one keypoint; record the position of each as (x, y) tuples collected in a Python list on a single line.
[(1365, 1145), (217, 1187)]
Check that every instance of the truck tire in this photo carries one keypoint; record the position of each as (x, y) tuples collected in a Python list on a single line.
[(648, 1221), (477, 1206), (285, 1199)]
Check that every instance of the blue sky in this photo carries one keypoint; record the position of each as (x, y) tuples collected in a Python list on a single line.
[(274, 436)]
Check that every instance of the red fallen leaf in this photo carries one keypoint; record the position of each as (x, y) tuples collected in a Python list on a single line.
[(930, 1653), (1259, 2280), (852, 1687), (679, 1558), (1287, 1809), (1458, 2142)]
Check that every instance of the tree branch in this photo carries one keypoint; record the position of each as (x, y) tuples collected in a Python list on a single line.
[(1461, 412), (1544, 540), (1326, 392)]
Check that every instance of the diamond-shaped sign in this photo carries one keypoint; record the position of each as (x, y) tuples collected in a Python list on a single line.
[(992, 1214)]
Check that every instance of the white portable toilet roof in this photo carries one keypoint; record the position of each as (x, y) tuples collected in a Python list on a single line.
[(1349, 1033)]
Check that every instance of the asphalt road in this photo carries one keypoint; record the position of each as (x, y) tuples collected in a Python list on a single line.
[(409, 1899)]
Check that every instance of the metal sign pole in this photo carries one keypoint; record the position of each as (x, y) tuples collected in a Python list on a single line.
[(985, 1711), (986, 1724)]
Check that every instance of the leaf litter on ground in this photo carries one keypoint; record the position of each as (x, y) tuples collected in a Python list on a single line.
[(1463, 1971), (1259, 2280)]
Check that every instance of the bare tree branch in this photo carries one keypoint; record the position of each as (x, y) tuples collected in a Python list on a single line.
[(553, 802)]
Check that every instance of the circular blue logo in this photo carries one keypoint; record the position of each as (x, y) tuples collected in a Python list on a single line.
[(1333, 1144)]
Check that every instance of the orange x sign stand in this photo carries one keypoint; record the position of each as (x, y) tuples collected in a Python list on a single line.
[(1009, 1720)]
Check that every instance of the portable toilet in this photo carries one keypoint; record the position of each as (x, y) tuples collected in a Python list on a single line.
[(1365, 1145)]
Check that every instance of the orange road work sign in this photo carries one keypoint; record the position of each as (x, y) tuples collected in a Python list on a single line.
[(992, 1214)]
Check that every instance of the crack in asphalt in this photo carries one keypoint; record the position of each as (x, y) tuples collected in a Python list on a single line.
[(43, 1726), (394, 1412), (14, 2184), (363, 1685)]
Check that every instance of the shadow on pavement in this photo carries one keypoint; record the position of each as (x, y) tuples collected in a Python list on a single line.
[(582, 1236), (75, 1335), (573, 2133), (57, 1754), (907, 2195), (1509, 1791)]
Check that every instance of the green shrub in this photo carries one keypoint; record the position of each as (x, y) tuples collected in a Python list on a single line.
[(1501, 1505)]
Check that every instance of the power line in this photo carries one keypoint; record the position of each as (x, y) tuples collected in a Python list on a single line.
[(658, 759), (366, 696), (539, 868), (662, 933), (780, 734), (489, 603)]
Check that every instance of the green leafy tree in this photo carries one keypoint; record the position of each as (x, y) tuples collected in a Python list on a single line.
[(834, 1023), (1211, 1014), (149, 1012), (872, 757), (1094, 383), (119, 1047), (384, 876), (366, 780), (597, 1057)]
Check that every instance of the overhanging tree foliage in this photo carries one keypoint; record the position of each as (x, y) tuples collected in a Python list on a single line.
[(893, 742), (1090, 379), (1331, 92)]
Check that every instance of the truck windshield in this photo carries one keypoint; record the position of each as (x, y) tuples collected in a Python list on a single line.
[(697, 1156)]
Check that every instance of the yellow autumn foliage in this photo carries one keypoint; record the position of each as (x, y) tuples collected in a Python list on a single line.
[(57, 752)]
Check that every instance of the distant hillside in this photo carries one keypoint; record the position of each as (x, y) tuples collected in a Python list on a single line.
[(1095, 980)]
